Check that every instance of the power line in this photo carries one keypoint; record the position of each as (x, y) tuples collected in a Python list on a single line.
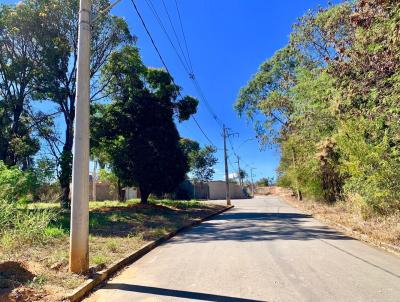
[(183, 34), (176, 35), (202, 131), (186, 65), (165, 65), (204, 99), (235, 153), (151, 38), (159, 21), (192, 76)]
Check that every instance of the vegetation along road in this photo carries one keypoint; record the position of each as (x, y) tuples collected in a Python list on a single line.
[(262, 250)]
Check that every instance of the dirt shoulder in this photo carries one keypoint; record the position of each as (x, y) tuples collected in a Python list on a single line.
[(381, 231), (39, 272)]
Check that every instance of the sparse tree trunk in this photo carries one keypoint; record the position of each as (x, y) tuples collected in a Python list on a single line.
[(299, 194), (94, 180), (66, 168), (121, 192), (66, 156), (144, 196)]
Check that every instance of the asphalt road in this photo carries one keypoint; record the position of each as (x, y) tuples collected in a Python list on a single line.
[(262, 250)]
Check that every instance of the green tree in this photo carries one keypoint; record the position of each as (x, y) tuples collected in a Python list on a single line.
[(58, 81), (137, 128), (202, 163), (201, 160), (24, 33), (16, 185), (108, 176), (294, 95), (330, 98), (189, 148), (368, 82)]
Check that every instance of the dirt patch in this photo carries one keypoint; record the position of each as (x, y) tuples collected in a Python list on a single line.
[(14, 275), (39, 271), (23, 294)]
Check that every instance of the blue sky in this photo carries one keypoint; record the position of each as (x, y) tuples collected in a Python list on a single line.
[(227, 40)]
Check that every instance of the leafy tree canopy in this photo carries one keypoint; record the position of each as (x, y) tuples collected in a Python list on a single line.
[(330, 99), (137, 128)]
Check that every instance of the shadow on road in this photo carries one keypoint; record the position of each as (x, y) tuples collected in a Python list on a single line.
[(175, 293), (253, 226)]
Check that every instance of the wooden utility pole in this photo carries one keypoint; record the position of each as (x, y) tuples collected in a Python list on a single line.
[(79, 245), (228, 195)]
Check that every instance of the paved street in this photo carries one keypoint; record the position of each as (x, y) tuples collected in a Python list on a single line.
[(262, 250)]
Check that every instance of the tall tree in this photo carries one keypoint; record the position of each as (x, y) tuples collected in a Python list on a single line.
[(201, 160), (368, 81), (108, 34), (137, 128), (24, 40), (203, 163), (293, 94)]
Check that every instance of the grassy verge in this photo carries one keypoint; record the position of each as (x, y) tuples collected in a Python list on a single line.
[(377, 229), (39, 269)]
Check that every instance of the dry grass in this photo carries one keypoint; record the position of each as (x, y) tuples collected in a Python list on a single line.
[(116, 230), (352, 219)]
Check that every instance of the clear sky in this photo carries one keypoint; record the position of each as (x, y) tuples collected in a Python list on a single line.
[(227, 40)]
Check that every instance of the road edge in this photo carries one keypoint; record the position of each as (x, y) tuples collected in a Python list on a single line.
[(347, 231), (84, 289)]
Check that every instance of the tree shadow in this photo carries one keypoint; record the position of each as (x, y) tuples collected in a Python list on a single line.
[(12, 275), (253, 226), (125, 221), (176, 293)]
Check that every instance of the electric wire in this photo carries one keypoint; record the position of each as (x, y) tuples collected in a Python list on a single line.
[(176, 35), (183, 34), (164, 29), (202, 131), (186, 65), (165, 65)]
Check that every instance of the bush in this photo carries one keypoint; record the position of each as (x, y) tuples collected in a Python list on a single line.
[(372, 166), (48, 192), (23, 226), (184, 191), (15, 185)]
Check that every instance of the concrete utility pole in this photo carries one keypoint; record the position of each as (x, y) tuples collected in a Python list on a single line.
[(252, 182), (228, 195), (79, 244), (240, 176)]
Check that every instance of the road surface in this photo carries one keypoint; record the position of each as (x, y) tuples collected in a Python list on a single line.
[(262, 250)]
